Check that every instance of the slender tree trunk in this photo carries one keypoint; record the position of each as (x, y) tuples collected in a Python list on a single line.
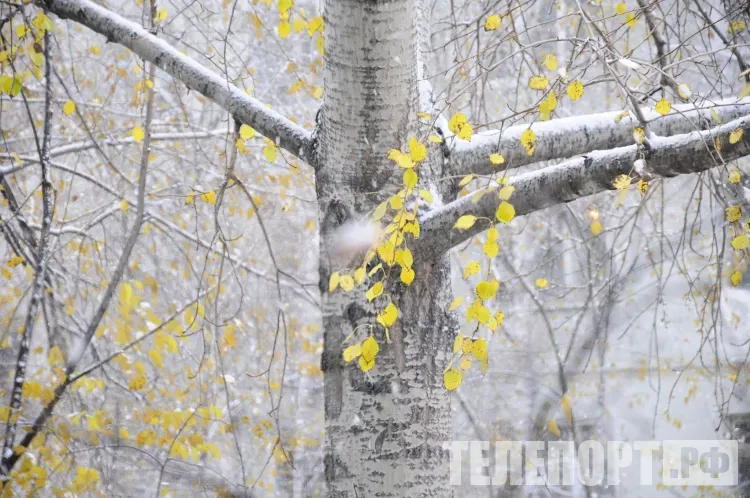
[(384, 428)]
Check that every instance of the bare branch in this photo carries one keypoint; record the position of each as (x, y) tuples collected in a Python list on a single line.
[(580, 177), (568, 137), (243, 107)]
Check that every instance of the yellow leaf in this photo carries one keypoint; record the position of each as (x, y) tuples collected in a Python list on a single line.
[(575, 90), (505, 212), (403, 160), (497, 159), (471, 269), (734, 176), (733, 213), (456, 303), (334, 281), (161, 15), (465, 363), (269, 151), (465, 180), (315, 24), (374, 291), (684, 91), (487, 289), (621, 8), (528, 140), (417, 151), (741, 242), (156, 358), (491, 248), (410, 178), (370, 349), (596, 227), (567, 408), (493, 22), (124, 205), (284, 29), (346, 282), (639, 136), (622, 182), (138, 134), (14, 261), (435, 139), (663, 107), (550, 62), (460, 126), (424, 115), (69, 107), (365, 365), (452, 378), (464, 222), (542, 283), (538, 83), (479, 349), (209, 197), (735, 136), (426, 195), (380, 211), (320, 45), (407, 275), (630, 19), (388, 316), (247, 132), (137, 383), (359, 275), (352, 352), (552, 427), (505, 192)]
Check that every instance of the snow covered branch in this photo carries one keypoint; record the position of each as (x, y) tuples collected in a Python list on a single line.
[(583, 176), (243, 107), (568, 137)]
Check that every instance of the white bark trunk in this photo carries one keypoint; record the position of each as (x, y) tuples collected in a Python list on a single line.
[(385, 428)]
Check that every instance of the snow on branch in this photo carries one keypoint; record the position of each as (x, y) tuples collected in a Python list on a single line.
[(581, 177), (243, 107), (568, 137)]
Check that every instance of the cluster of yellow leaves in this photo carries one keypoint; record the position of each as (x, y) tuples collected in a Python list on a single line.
[(460, 126), (366, 351), (300, 24), (466, 348), (29, 475), (85, 479), (390, 249)]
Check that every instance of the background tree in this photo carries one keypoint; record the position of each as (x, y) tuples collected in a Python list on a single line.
[(396, 142)]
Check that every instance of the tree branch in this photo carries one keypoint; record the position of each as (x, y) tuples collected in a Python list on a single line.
[(568, 137), (581, 177), (243, 107)]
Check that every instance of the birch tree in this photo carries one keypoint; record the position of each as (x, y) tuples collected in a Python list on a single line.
[(390, 164)]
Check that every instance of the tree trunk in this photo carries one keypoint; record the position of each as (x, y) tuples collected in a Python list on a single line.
[(384, 428)]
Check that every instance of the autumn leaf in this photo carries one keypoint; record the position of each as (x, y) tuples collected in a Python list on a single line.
[(493, 22), (575, 90), (465, 222)]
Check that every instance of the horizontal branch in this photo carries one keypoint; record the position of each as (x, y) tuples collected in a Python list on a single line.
[(581, 177), (243, 107), (567, 137)]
